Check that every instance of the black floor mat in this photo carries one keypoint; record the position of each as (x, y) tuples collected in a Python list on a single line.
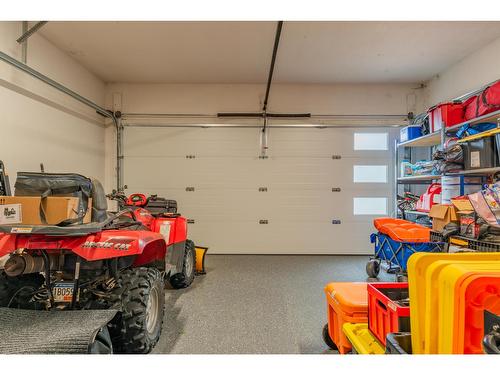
[(52, 332)]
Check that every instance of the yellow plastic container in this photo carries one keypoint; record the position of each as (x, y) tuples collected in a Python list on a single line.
[(417, 266), (362, 340), (451, 280)]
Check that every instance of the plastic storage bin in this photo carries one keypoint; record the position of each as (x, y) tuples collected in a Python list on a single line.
[(410, 132), (346, 303), (434, 304), (456, 186), (361, 339), (480, 153), (398, 343), (467, 290), (482, 294), (417, 287), (445, 115), (388, 309)]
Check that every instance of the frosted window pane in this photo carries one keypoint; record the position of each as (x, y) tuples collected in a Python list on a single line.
[(370, 141), (370, 173), (370, 206)]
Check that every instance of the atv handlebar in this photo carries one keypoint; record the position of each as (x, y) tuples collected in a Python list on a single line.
[(119, 196)]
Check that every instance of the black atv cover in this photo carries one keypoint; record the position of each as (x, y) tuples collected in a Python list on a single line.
[(55, 184)]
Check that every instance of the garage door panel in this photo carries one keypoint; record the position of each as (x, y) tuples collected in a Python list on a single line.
[(282, 238), (226, 174), (246, 171), (275, 203), (319, 142)]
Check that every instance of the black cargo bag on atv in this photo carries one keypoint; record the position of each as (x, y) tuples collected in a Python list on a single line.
[(159, 206), (56, 184)]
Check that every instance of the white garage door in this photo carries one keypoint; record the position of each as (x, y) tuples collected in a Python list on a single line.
[(316, 193)]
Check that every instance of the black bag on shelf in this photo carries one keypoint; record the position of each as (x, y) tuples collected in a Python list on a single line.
[(451, 154)]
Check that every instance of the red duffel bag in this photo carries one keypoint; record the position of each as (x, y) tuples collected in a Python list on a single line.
[(431, 197), (485, 102)]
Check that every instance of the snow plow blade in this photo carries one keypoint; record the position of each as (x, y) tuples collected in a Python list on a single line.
[(55, 332)]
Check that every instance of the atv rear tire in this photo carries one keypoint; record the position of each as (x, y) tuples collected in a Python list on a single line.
[(186, 277), (140, 296), (16, 292)]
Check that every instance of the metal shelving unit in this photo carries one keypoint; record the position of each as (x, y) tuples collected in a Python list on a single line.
[(417, 213), (432, 139), (478, 172), (417, 179), (436, 139)]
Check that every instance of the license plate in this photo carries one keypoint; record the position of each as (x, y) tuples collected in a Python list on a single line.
[(62, 292)]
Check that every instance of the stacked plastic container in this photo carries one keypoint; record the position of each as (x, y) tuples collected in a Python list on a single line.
[(449, 294), (361, 315), (388, 309), (346, 303)]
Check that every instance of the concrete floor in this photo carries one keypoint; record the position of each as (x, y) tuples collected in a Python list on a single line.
[(256, 304)]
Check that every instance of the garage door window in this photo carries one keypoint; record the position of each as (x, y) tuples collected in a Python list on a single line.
[(370, 141), (370, 173), (370, 206)]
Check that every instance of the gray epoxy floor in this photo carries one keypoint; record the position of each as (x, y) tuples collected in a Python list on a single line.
[(260, 304)]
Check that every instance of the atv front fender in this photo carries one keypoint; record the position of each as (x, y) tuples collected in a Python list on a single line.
[(120, 243)]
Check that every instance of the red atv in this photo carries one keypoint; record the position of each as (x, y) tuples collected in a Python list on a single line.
[(99, 287)]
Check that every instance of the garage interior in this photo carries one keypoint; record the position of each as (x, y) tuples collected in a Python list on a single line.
[(279, 141)]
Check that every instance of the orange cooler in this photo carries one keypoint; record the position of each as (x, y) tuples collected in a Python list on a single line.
[(346, 303)]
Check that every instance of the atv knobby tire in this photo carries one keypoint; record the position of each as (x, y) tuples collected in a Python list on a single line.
[(140, 297), (16, 292), (186, 277)]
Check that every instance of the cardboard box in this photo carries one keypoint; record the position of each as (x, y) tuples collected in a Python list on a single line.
[(467, 218), (57, 209), (442, 215), (462, 205)]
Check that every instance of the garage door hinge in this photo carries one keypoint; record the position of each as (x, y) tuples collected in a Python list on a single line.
[(336, 221), (262, 189), (336, 157), (190, 221), (335, 190), (263, 222), (190, 188), (190, 156)]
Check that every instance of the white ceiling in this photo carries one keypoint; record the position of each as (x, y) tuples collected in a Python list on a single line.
[(240, 52)]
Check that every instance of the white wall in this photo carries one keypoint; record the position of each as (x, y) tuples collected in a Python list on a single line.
[(467, 75), (212, 98), (40, 124)]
